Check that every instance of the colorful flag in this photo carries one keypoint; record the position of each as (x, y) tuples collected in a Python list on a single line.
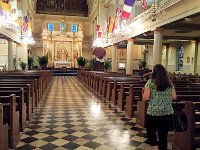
[(111, 22), (144, 5), (25, 24), (117, 17), (99, 31), (29, 25), (128, 5), (19, 21), (5, 5)]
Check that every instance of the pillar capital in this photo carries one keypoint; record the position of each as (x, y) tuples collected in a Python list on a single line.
[(130, 40), (114, 45), (158, 30), (9, 40)]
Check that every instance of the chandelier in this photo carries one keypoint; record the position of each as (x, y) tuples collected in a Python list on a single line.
[(121, 28)]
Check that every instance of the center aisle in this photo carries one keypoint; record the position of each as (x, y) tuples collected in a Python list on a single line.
[(71, 117)]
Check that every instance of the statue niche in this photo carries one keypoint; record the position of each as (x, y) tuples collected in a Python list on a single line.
[(62, 53)]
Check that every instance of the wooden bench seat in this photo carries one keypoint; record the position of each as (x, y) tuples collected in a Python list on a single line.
[(3, 131), (27, 99), (21, 107), (189, 139), (11, 117)]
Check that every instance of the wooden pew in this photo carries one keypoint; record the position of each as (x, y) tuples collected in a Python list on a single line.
[(192, 96), (123, 92), (11, 116), (21, 106), (5, 91), (32, 82), (3, 131), (24, 86), (135, 95), (189, 139)]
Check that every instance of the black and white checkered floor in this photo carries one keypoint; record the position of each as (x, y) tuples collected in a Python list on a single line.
[(72, 118)]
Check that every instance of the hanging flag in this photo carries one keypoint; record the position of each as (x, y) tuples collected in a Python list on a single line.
[(25, 24), (128, 5), (144, 5), (5, 5), (99, 31), (117, 17), (19, 21), (29, 25), (111, 22)]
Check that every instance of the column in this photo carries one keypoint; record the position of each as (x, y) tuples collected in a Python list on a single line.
[(129, 63), (157, 47), (114, 58), (167, 55), (195, 56), (10, 55)]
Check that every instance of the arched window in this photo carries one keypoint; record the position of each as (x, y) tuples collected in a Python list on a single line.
[(180, 59)]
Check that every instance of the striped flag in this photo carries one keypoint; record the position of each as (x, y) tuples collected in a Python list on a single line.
[(128, 5), (99, 31), (117, 17), (144, 5), (5, 5), (25, 24)]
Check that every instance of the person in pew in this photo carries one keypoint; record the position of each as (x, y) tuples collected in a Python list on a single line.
[(160, 92)]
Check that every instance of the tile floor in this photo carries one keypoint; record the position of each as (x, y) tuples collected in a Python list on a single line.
[(72, 118)]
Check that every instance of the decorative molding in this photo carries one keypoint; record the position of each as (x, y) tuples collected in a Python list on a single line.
[(38, 43), (11, 33), (174, 10)]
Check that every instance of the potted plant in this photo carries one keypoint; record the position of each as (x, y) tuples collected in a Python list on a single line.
[(43, 61), (142, 64), (91, 63), (22, 65), (30, 62), (107, 64), (82, 62)]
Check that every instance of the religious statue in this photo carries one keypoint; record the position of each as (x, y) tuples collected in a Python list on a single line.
[(45, 25), (79, 27), (63, 27)]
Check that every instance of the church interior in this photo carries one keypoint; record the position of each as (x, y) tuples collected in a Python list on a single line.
[(73, 72)]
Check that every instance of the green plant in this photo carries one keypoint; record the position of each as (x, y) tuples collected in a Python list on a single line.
[(91, 63), (107, 64), (22, 65), (142, 64), (30, 61), (43, 60), (82, 61)]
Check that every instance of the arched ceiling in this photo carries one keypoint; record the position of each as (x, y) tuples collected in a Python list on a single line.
[(63, 7)]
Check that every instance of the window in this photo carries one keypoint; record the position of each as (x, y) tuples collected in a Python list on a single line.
[(180, 58)]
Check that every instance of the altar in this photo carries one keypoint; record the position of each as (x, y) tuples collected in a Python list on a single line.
[(62, 48), (61, 64)]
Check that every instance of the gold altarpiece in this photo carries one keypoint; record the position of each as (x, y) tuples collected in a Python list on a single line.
[(62, 48)]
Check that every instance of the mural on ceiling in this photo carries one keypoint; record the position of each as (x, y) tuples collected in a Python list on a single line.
[(62, 7)]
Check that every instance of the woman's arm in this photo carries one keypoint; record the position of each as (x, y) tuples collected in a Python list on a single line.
[(146, 94), (174, 94)]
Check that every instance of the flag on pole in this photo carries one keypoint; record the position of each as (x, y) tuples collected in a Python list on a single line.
[(144, 5), (99, 31), (128, 5), (25, 24), (111, 22), (5, 5), (117, 17)]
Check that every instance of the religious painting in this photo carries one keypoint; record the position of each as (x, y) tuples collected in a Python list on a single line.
[(62, 7), (63, 27), (63, 51)]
